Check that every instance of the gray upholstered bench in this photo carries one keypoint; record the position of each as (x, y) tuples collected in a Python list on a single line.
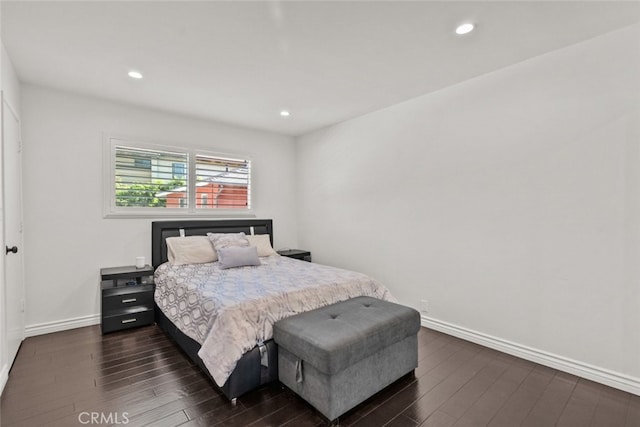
[(337, 356)]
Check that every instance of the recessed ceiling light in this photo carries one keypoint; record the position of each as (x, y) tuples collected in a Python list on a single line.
[(135, 75), (464, 28), (285, 113)]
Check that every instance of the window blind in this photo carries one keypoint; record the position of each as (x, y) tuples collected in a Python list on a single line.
[(222, 183), (147, 178)]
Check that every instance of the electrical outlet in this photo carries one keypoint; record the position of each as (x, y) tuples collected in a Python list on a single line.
[(424, 305)]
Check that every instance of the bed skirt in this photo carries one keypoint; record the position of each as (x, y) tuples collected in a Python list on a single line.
[(249, 373)]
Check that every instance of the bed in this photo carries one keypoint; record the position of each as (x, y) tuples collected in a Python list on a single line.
[(235, 347)]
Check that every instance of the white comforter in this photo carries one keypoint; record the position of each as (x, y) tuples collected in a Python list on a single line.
[(229, 311)]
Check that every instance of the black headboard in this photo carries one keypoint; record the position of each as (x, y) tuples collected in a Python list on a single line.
[(160, 230)]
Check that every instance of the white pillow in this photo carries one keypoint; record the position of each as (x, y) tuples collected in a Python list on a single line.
[(262, 243), (190, 250)]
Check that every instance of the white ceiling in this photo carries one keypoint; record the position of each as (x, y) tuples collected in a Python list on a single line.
[(243, 62)]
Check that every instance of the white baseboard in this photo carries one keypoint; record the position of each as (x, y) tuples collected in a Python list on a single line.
[(590, 372), (4, 377), (62, 325)]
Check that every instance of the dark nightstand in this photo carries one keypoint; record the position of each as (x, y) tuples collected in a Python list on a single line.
[(297, 254), (127, 297)]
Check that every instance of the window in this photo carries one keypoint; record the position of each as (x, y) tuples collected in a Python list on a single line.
[(142, 163), (179, 170), (223, 181), (137, 186), (146, 179)]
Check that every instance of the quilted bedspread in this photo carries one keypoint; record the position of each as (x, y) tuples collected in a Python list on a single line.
[(229, 311)]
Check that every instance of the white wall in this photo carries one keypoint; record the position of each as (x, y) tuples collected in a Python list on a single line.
[(10, 82), (10, 87), (510, 202), (67, 240)]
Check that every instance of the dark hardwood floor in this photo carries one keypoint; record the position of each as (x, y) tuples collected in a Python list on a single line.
[(140, 377)]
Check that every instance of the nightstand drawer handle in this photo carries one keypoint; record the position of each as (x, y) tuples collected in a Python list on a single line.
[(128, 300), (129, 320)]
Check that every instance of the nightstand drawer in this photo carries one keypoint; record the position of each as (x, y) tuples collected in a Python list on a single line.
[(130, 319), (115, 304)]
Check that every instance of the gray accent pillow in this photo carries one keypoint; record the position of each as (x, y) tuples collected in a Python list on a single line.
[(238, 257)]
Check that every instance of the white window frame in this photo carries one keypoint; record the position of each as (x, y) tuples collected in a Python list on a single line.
[(113, 211)]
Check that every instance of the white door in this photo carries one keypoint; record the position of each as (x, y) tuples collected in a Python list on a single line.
[(12, 182)]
